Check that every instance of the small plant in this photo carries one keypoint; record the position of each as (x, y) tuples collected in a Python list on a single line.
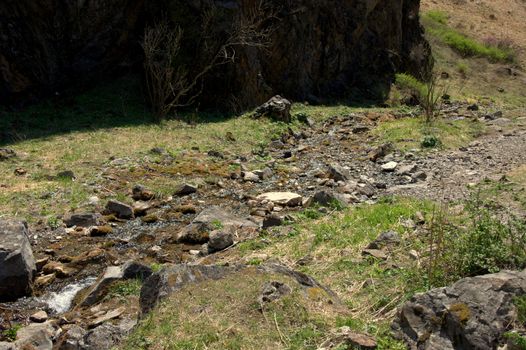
[(462, 68), (439, 17), (430, 141), (10, 333), (516, 339), (54, 222), (124, 289), (520, 304), (156, 267), (217, 224)]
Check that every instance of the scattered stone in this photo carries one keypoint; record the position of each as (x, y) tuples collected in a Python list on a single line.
[(380, 151), (186, 209), (419, 175), (406, 169), (122, 210), (338, 173), (6, 153), (389, 167), (375, 253), (106, 317), (66, 175), (385, 239), (277, 108), (360, 129), (272, 220), (327, 199), (150, 219), (59, 269), (194, 233), (250, 176), (474, 107), (158, 151), (220, 240), (185, 190), (20, 171), (288, 199), (100, 231), (45, 280), (82, 220), (473, 313), (17, 264), (140, 208), (273, 291), (39, 316), (216, 154), (106, 336), (140, 193)]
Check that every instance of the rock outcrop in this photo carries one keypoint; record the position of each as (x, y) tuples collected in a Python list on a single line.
[(473, 313), (316, 48), (174, 277), (17, 264)]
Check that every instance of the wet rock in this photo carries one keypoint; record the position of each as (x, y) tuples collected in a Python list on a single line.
[(6, 153), (121, 210), (273, 291), (385, 239), (277, 108), (83, 220), (473, 313), (288, 199), (220, 240), (59, 269), (389, 167), (140, 193), (17, 264), (338, 173), (39, 316), (174, 277), (185, 190), (128, 270)]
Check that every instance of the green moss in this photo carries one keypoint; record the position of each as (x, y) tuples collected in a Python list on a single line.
[(461, 312)]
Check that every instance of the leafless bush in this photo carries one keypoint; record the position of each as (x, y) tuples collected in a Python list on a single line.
[(170, 83)]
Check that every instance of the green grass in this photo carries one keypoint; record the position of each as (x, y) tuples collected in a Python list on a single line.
[(408, 133), (437, 26), (225, 314)]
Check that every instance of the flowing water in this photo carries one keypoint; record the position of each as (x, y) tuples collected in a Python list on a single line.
[(60, 302)]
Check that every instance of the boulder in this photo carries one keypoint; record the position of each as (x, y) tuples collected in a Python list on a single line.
[(277, 108), (122, 210), (473, 313), (35, 336), (83, 220), (222, 217), (220, 240), (327, 198), (288, 199), (185, 190), (17, 264), (338, 173)]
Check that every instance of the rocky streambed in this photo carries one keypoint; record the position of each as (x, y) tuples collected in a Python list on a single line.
[(68, 274)]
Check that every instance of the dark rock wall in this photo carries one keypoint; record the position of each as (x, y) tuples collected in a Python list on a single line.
[(320, 49)]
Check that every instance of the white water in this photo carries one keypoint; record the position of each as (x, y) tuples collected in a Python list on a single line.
[(61, 302)]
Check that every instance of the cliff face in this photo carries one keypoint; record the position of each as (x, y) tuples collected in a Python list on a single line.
[(318, 48)]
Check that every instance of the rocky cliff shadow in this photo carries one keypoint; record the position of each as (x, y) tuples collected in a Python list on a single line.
[(118, 103)]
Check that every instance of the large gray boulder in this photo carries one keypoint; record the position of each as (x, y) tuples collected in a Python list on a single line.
[(473, 313), (17, 264)]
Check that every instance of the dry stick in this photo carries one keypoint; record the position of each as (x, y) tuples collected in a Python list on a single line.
[(279, 330)]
